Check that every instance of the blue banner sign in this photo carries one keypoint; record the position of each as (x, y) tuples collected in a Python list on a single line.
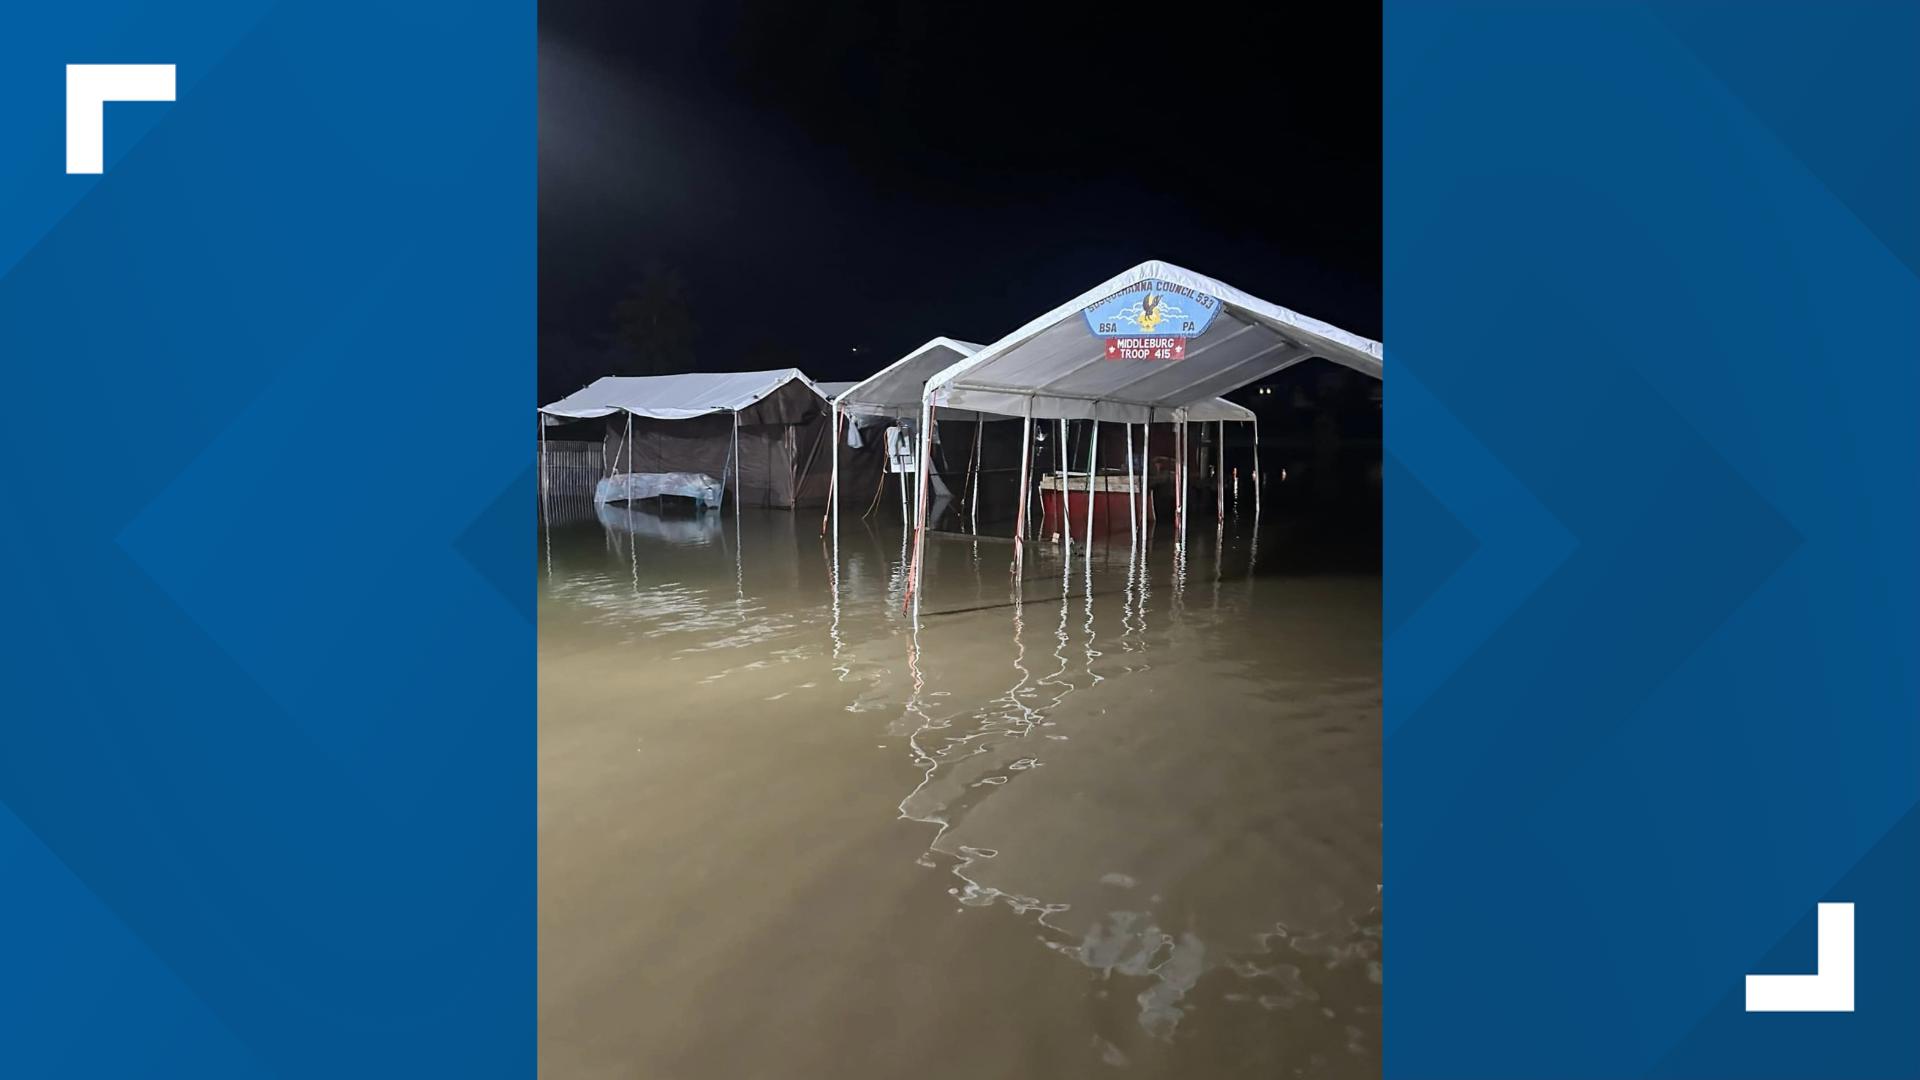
[(1152, 308)]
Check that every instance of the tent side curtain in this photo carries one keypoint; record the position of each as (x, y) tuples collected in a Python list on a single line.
[(780, 464)]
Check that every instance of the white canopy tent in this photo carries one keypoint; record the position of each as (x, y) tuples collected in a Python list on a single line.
[(1073, 363), (674, 397), (1059, 365), (773, 405), (894, 390), (898, 389)]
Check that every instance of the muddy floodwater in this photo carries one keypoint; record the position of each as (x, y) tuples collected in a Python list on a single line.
[(1126, 825)]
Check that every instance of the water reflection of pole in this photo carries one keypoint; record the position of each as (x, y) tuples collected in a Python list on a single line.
[(1145, 585), (841, 669), (1219, 556), (1019, 661), (1133, 548), (1087, 588), (900, 576), (1060, 635), (1180, 536)]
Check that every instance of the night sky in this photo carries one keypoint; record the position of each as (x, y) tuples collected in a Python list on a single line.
[(825, 177)]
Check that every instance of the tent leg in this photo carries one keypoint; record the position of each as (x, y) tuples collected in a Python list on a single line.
[(542, 421), (736, 465), (1020, 514), (833, 482), (916, 576), (1220, 474), (1256, 472), (1146, 485), (973, 499), (1093, 467), (1060, 458), (1133, 529), (1180, 481)]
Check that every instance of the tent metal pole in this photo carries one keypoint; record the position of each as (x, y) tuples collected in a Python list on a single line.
[(736, 464), (629, 449), (1185, 481), (1256, 470), (1133, 529), (1146, 483), (1060, 456), (1032, 495), (1179, 477), (973, 500), (915, 580), (542, 421), (1220, 474), (1093, 467), (1020, 514), (833, 483)]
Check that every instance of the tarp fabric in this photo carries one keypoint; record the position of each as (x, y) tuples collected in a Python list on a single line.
[(1059, 365), (683, 397)]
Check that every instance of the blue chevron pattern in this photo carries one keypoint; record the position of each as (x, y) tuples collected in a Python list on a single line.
[(266, 785), (1651, 303)]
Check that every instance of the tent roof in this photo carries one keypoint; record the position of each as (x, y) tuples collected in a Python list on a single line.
[(1058, 364), (1218, 409), (674, 397), (895, 390)]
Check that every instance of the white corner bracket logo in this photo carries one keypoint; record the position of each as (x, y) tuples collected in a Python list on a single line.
[(89, 88), (1829, 988)]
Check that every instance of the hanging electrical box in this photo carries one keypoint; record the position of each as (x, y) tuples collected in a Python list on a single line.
[(902, 447)]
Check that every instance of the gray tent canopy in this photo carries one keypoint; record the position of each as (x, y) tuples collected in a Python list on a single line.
[(1155, 343), (1057, 367), (758, 432), (897, 390)]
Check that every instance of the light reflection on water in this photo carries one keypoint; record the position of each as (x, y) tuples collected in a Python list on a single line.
[(1193, 819)]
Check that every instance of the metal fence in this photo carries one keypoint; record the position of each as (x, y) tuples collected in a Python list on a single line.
[(572, 469)]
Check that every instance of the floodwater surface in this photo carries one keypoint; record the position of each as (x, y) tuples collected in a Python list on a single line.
[(1123, 820)]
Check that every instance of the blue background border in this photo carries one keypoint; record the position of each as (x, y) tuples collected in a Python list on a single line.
[(267, 755), (1652, 321)]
